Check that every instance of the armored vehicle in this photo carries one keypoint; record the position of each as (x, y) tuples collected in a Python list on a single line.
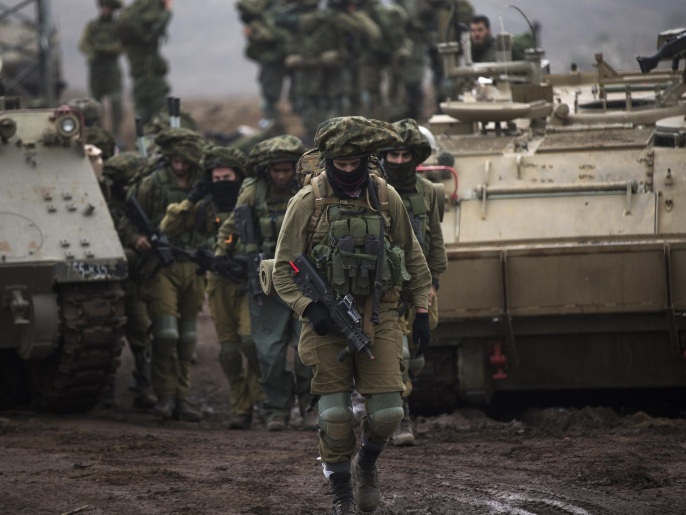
[(61, 263), (566, 238)]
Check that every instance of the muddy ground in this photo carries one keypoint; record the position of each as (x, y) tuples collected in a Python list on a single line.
[(546, 461)]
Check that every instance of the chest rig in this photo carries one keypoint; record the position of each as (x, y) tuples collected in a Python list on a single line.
[(345, 240), (418, 211)]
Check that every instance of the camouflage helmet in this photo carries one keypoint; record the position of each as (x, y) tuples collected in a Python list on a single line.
[(102, 139), (349, 136), (216, 156), (413, 139), (123, 168), (89, 108), (252, 8), (113, 4), (180, 142), (160, 121), (285, 148)]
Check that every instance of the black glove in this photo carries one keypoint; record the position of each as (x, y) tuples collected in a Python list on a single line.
[(319, 318), (421, 334), (222, 265), (203, 258), (200, 190)]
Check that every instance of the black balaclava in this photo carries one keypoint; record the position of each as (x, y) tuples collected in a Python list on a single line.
[(348, 184), (225, 194), (402, 176)]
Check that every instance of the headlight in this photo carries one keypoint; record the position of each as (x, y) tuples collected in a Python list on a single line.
[(68, 125)]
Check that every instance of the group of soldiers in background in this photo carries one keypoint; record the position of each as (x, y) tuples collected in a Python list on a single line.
[(349, 57)]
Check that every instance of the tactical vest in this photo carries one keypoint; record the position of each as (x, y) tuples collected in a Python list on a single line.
[(418, 211), (344, 239), (270, 211)]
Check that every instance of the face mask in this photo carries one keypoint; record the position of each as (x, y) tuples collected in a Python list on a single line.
[(347, 184), (401, 175), (225, 194)]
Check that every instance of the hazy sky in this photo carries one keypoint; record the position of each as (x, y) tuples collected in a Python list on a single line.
[(205, 46)]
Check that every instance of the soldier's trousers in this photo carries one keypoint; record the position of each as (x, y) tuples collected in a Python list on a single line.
[(230, 310), (274, 328)]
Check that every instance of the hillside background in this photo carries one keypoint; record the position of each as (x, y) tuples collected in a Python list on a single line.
[(205, 45)]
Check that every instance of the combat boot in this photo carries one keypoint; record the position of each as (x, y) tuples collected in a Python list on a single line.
[(404, 435), (185, 412), (164, 407), (342, 494), (241, 421), (366, 479)]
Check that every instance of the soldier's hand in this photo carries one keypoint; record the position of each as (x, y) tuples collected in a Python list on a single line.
[(143, 244), (421, 333), (200, 190), (204, 259), (319, 318), (222, 265)]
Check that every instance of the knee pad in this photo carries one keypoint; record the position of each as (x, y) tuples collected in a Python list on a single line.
[(336, 419), (416, 365), (406, 348), (165, 330), (231, 359), (187, 339), (384, 413)]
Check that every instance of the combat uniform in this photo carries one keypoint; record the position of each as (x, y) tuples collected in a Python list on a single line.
[(119, 172), (420, 199), (227, 299), (147, 67), (273, 326), (173, 294), (341, 231), (91, 111), (99, 42)]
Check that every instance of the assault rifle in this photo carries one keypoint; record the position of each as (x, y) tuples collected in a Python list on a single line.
[(342, 311), (160, 243), (245, 227)]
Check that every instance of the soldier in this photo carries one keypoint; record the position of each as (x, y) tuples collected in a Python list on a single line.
[(140, 27), (343, 213), (91, 112), (173, 294), (483, 44), (266, 45), (119, 173), (223, 172), (273, 327), (450, 15), (421, 202), (100, 44)]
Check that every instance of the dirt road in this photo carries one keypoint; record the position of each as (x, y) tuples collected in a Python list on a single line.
[(124, 461)]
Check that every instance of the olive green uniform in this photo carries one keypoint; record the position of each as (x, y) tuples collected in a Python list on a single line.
[(174, 294), (384, 373), (273, 326), (99, 42)]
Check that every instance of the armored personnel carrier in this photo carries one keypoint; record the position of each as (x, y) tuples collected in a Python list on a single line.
[(566, 238), (61, 263)]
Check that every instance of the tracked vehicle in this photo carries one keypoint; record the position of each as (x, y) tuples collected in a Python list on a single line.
[(567, 235), (61, 263)]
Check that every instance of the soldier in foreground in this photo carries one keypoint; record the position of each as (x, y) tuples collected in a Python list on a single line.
[(101, 45), (357, 231), (419, 196), (250, 235)]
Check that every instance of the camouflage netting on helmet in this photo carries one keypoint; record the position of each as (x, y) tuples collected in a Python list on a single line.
[(180, 142), (89, 108), (102, 139), (350, 136), (160, 121), (215, 156), (124, 168), (114, 4), (285, 148), (413, 139)]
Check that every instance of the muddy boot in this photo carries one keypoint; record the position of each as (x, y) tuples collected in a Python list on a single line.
[(164, 407), (277, 424), (366, 476), (241, 421), (185, 412), (404, 435), (342, 494)]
